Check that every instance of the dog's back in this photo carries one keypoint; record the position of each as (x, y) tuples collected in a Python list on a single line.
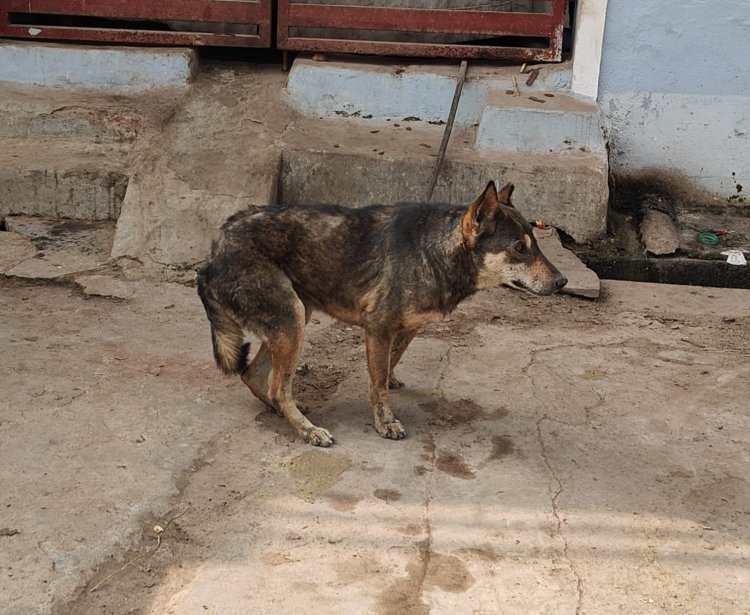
[(336, 255)]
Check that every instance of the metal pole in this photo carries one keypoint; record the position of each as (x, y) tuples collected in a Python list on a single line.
[(448, 127)]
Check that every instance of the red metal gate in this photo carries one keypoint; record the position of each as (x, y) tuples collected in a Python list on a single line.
[(234, 23), (498, 29), (492, 32)]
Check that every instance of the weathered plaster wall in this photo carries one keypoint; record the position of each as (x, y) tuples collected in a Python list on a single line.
[(675, 89)]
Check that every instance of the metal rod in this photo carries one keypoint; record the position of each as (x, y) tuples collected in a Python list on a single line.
[(448, 127)]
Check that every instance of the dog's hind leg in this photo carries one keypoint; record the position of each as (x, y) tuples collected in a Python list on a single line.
[(378, 362), (278, 317), (400, 342), (285, 346), (256, 375)]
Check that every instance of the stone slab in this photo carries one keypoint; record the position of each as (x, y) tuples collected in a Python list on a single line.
[(659, 233), (99, 285), (582, 281)]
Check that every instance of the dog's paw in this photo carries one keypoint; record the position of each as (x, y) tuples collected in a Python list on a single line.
[(317, 436), (393, 430), (394, 382)]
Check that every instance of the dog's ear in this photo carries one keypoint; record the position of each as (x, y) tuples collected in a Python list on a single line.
[(480, 216), (505, 194)]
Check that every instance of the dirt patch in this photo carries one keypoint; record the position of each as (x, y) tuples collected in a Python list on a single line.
[(502, 446), (358, 567), (457, 329), (343, 502), (387, 495), (314, 386), (485, 553), (453, 463), (317, 470), (331, 353), (411, 529), (449, 573), (425, 570), (444, 413)]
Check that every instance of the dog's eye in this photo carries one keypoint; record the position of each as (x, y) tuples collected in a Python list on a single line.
[(520, 247)]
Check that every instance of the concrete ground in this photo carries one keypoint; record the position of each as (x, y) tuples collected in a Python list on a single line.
[(564, 456)]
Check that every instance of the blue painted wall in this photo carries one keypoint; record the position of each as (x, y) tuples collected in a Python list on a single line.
[(675, 88)]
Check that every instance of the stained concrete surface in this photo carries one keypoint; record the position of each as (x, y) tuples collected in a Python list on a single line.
[(564, 456)]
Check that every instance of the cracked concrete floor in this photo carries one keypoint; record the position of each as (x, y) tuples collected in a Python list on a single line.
[(564, 456)]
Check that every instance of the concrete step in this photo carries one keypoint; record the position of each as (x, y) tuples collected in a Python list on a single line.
[(378, 89), (68, 152), (361, 162), (120, 68), (86, 115), (62, 179), (542, 122)]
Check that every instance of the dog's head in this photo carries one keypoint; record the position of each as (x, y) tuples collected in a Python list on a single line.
[(503, 245)]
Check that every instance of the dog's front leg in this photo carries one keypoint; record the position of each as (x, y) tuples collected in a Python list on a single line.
[(379, 345), (400, 342)]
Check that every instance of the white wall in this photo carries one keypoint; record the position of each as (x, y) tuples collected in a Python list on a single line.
[(674, 88)]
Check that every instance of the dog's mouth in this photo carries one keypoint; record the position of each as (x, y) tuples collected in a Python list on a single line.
[(521, 285)]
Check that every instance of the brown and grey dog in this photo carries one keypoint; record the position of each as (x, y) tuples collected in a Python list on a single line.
[(388, 268)]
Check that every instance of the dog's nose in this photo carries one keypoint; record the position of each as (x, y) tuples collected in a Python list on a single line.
[(560, 281)]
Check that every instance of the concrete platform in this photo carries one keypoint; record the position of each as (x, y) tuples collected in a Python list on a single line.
[(511, 115), (83, 115)]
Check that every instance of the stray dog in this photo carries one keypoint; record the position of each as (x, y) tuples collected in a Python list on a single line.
[(388, 268)]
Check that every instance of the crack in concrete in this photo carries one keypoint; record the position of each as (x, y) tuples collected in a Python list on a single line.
[(445, 360), (556, 513), (582, 345), (425, 546)]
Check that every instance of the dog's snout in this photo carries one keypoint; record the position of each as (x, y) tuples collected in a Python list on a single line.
[(560, 281)]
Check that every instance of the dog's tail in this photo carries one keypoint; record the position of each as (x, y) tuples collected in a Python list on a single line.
[(230, 349)]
